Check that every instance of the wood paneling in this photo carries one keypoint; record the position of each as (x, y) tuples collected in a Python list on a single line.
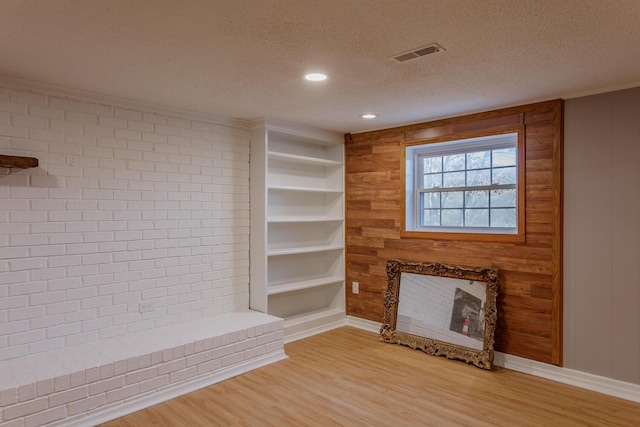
[(346, 377), (529, 314)]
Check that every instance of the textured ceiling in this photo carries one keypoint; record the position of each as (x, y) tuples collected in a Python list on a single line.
[(245, 59)]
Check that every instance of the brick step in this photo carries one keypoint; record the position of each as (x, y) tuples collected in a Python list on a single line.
[(99, 381)]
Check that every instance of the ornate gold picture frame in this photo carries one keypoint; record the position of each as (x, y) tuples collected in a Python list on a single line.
[(442, 310)]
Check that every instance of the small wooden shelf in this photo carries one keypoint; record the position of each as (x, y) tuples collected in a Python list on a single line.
[(18, 162)]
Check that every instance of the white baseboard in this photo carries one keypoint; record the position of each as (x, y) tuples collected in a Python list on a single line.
[(604, 385), (313, 331), (137, 403), (367, 325)]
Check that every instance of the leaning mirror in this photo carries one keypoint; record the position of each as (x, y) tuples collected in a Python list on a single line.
[(442, 310)]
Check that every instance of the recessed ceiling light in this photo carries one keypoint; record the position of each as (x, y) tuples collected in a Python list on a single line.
[(316, 77), (368, 116)]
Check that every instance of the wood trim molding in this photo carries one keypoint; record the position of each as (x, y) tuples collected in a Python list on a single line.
[(558, 237)]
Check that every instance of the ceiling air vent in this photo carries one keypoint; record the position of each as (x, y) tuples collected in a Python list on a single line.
[(417, 53)]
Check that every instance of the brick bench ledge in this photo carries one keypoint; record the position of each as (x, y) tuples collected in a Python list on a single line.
[(96, 382)]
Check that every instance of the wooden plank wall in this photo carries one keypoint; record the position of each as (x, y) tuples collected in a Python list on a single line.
[(530, 299)]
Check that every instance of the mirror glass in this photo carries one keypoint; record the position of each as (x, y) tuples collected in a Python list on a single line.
[(442, 310), (452, 311)]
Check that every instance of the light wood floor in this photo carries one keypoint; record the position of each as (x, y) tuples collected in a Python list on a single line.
[(346, 377)]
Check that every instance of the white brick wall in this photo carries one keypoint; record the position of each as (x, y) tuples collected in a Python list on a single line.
[(126, 206)]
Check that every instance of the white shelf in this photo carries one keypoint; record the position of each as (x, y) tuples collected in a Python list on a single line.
[(297, 226), (303, 159), (303, 250), (305, 284), (307, 189), (298, 219)]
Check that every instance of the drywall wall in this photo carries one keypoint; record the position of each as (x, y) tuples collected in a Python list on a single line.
[(602, 235)]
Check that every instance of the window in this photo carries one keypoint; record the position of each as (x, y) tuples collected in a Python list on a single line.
[(465, 186)]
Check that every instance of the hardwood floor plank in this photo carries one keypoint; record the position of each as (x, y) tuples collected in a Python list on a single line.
[(346, 377)]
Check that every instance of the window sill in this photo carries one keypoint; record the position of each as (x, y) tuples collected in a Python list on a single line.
[(465, 237)]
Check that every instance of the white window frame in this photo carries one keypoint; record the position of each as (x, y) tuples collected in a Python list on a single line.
[(413, 186)]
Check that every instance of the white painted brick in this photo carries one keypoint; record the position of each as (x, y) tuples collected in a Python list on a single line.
[(46, 345), (118, 181), (26, 337), (14, 276), (183, 374), (128, 134), (122, 393), (209, 366), (172, 366), (27, 392), (84, 117), (44, 417), (254, 352), (46, 321), (44, 387), (46, 135), (167, 130), (21, 120), (275, 345), (127, 114), (65, 126), (92, 374), (29, 98), (154, 383), (81, 338), (40, 111), (68, 396), (106, 385), (64, 283), (79, 316), (85, 405), (112, 332), (113, 122), (63, 330), (26, 408), (99, 109), (25, 313), (83, 270), (99, 130), (141, 375), (154, 118), (140, 126), (13, 107), (65, 104)]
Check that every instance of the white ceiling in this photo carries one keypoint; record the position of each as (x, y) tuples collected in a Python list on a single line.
[(245, 59)]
